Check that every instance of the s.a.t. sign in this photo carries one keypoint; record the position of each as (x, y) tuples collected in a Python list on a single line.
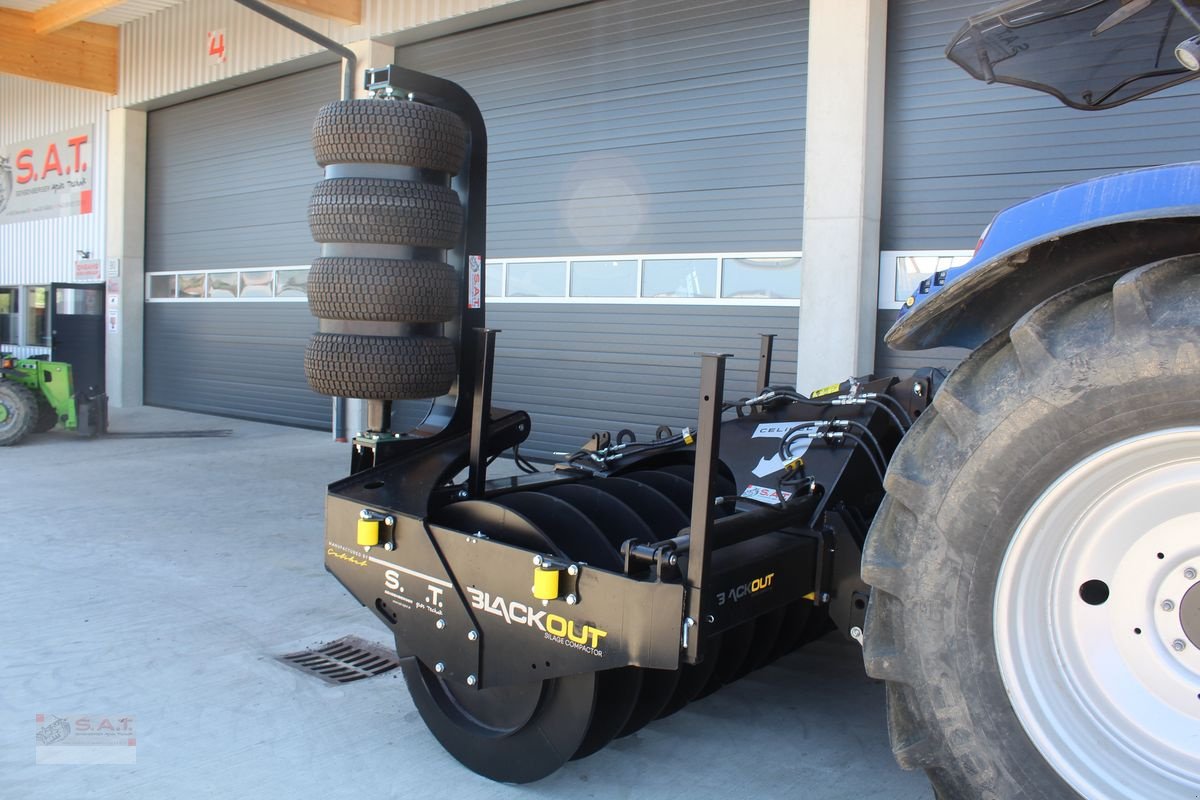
[(47, 177)]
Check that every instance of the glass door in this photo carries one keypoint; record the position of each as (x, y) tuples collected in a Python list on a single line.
[(77, 333)]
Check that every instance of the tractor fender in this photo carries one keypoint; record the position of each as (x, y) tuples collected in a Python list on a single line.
[(1038, 248)]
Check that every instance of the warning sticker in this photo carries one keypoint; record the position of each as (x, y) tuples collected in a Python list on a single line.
[(826, 391)]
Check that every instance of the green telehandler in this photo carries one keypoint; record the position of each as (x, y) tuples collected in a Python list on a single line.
[(37, 394)]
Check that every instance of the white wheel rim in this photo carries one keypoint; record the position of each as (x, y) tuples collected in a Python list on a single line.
[(1115, 712)]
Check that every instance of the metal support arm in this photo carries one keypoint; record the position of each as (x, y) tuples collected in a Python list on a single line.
[(708, 445), (313, 36)]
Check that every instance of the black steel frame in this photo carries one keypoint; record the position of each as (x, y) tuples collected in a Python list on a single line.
[(666, 605)]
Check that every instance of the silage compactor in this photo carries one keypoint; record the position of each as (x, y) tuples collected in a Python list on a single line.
[(539, 617), (1038, 499)]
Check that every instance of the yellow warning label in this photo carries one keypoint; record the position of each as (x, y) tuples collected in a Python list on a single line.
[(827, 390)]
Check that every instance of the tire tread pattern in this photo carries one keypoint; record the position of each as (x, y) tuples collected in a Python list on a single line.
[(22, 416), (389, 132), (380, 367), (382, 290), (384, 211), (1125, 328)]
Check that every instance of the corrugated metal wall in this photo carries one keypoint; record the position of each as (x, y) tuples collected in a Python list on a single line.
[(957, 150), (634, 126), (638, 126), (228, 181), (584, 368), (166, 53), (42, 251)]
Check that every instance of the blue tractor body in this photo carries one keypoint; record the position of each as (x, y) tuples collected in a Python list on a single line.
[(1051, 242)]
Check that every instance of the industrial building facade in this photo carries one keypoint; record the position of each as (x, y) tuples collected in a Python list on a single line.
[(647, 191)]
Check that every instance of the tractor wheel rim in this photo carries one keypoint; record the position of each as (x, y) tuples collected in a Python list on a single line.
[(1096, 619), (3, 413)]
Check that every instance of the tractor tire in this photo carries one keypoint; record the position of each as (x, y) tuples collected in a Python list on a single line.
[(18, 412), (382, 290), (389, 132), (382, 211), (1035, 610), (47, 417), (380, 367)]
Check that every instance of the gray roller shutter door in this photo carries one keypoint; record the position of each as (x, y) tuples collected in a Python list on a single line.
[(957, 151), (579, 369), (217, 358), (638, 126), (228, 181), (634, 126)]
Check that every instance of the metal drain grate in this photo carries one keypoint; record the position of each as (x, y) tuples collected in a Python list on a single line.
[(343, 661)]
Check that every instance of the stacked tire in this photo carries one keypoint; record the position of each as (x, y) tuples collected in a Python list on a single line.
[(385, 216)]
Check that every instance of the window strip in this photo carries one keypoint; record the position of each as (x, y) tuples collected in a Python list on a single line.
[(501, 283)]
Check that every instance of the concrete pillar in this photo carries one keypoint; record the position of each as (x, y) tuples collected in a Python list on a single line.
[(371, 54), (125, 205), (843, 176)]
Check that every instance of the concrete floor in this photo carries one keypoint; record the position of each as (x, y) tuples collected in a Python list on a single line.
[(158, 578)]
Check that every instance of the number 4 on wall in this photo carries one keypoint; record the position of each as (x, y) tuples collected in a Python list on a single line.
[(216, 47)]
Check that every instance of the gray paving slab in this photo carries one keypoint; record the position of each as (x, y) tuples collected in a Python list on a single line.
[(159, 578)]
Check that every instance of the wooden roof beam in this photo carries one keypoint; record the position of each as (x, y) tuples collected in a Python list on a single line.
[(65, 13), (84, 55), (347, 11)]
